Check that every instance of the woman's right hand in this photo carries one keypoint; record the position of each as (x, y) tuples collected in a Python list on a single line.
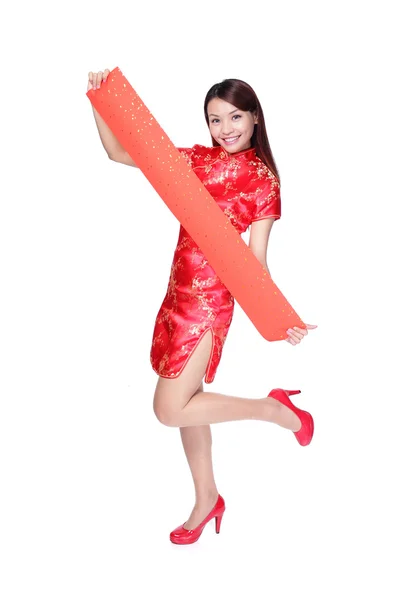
[(95, 79)]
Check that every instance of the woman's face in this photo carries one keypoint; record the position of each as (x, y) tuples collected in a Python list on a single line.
[(231, 127)]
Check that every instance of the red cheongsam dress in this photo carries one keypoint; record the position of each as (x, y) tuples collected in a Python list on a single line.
[(196, 300)]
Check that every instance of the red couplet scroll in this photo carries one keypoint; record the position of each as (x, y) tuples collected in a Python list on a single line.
[(188, 199)]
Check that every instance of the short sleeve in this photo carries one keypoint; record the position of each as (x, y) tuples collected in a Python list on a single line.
[(188, 154), (268, 200)]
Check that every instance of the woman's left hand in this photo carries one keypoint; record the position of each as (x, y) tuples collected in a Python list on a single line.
[(296, 334)]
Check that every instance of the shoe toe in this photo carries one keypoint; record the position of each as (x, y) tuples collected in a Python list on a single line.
[(180, 535)]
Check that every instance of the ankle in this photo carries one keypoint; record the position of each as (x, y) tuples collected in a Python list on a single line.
[(282, 415), (271, 409), (206, 496), (288, 419)]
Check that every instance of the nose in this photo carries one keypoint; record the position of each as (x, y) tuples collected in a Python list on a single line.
[(227, 128)]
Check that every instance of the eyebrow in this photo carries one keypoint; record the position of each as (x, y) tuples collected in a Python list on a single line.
[(213, 115)]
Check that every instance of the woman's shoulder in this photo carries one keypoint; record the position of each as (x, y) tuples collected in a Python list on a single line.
[(263, 172)]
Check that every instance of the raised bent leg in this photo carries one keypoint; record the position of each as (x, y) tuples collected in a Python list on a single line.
[(178, 403)]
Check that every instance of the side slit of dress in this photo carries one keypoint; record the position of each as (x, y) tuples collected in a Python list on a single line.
[(211, 353)]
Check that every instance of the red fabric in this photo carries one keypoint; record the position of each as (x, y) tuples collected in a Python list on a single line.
[(196, 300)]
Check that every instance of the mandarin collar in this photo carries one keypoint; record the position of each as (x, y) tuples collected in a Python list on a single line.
[(248, 153)]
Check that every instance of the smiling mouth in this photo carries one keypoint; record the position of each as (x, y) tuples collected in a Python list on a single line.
[(231, 140)]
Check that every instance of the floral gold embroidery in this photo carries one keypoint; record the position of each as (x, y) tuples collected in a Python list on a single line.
[(196, 299)]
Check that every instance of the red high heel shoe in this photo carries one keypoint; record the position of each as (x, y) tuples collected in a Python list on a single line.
[(306, 431), (180, 535)]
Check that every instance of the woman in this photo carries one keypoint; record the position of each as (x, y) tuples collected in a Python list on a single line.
[(193, 321)]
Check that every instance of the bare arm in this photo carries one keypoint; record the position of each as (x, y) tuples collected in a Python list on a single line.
[(110, 143), (259, 237)]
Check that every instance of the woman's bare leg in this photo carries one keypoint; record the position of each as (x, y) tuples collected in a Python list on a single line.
[(179, 403), (197, 442)]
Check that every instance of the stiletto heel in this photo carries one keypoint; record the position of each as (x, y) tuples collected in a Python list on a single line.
[(306, 431), (180, 535), (218, 523)]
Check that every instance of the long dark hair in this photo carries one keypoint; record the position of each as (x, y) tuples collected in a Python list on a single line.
[(241, 94)]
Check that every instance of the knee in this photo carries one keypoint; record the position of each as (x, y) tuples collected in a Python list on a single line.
[(165, 412)]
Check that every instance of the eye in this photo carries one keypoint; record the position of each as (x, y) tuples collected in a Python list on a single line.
[(239, 116), (213, 120)]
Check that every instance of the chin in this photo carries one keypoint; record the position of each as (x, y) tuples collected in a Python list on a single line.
[(238, 148)]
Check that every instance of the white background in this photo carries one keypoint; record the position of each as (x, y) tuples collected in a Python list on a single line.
[(91, 482)]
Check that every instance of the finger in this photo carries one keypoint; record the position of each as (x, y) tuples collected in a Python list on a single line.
[(311, 326), (99, 78), (302, 331), (296, 336), (90, 79), (290, 341), (105, 74)]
